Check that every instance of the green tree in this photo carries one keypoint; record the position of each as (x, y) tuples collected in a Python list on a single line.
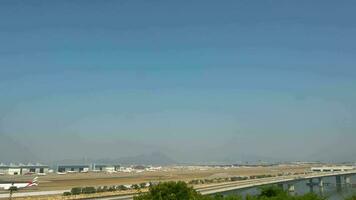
[(170, 191), (135, 187), (88, 190), (272, 191), (221, 197), (67, 193), (142, 185), (121, 187), (353, 197), (310, 196), (76, 190)]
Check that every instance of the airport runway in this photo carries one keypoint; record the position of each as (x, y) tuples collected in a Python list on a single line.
[(43, 193), (28, 194)]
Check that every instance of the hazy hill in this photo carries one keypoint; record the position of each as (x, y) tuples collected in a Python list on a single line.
[(154, 158), (13, 151)]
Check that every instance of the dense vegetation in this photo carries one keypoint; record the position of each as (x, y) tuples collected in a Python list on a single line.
[(170, 191), (351, 198), (92, 190), (181, 191)]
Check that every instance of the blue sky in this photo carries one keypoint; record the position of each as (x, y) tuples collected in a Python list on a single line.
[(182, 77)]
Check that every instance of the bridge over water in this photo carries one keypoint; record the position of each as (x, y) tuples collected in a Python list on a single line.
[(314, 180)]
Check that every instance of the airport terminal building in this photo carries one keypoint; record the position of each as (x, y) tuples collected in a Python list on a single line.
[(105, 168), (24, 169), (73, 168), (332, 168)]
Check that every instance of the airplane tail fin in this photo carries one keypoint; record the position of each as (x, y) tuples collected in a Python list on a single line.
[(34, 182)]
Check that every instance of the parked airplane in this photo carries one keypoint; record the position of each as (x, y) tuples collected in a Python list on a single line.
[(8, 186)]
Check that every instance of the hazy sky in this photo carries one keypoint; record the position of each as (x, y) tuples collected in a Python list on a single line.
[(198, 80)]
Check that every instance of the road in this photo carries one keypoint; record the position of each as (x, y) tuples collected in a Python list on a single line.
[(126, 197), (28, 194)]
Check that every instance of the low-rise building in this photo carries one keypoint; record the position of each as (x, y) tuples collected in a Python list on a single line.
[(106, 168), (34, 169), (24, 169), (14, 170), (332, 168), (73, 168), (125, 169)]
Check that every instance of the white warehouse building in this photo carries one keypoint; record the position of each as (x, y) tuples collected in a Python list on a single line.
[(332, 168), (105, 168), (24, 169), (72, 168)]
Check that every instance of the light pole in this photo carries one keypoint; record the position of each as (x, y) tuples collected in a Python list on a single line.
[(12, 189)]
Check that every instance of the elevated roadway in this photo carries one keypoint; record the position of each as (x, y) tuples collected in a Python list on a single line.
[(224, 187)]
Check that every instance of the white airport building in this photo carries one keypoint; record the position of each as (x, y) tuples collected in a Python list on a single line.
[(23, 169), (105, 168), (72, 168), (332, 168)]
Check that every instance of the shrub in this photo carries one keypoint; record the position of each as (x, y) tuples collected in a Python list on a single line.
[(67, 193), (99, 189), (351, 198), (121, 187), (271, 191), (88, 190), (238, 178), (194, 182), (221, 197), (112, 189), (76, 191), (102, 189), (135, 187), (170, 191), (142, 185)]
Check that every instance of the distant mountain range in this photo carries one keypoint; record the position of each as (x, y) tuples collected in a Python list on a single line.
[(154, 158), (13, 151)]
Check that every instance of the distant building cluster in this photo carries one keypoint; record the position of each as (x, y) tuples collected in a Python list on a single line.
[(40, 169), (86, 168), (22, 169), (332, 168), (106, 168), (72, 168)]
